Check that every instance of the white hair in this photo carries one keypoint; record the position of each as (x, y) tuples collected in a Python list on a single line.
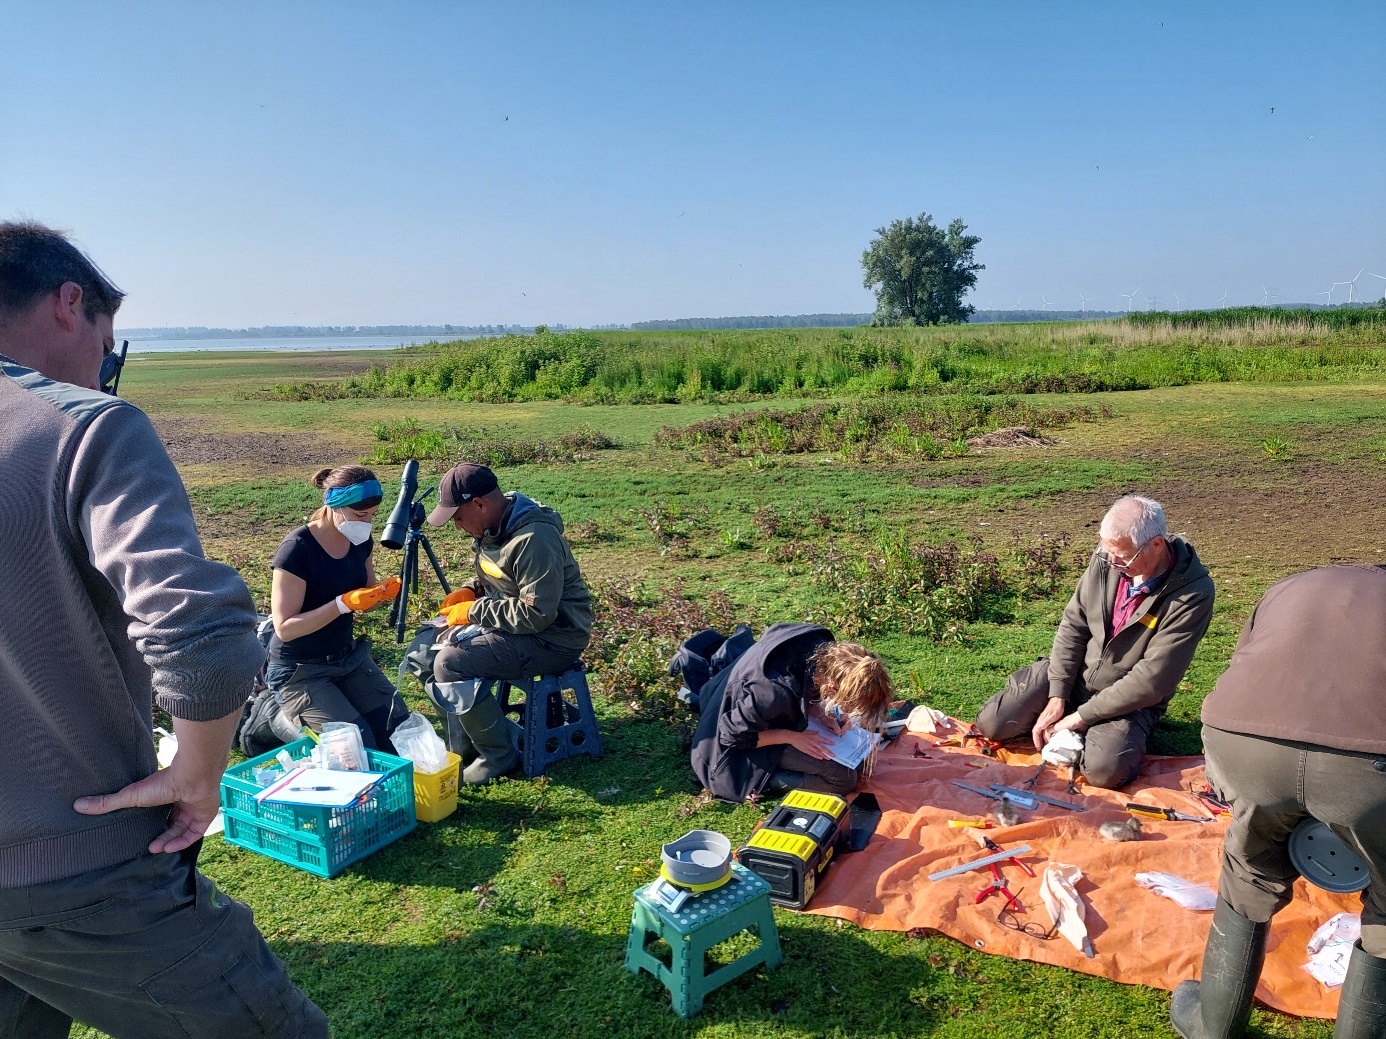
[(1135, 517)]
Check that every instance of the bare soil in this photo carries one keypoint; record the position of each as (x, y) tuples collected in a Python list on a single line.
[(190, 443)]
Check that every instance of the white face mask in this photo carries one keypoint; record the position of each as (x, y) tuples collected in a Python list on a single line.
[(358, 532)]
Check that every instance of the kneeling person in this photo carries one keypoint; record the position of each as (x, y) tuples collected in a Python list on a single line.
[(528, 599), (1126, 639), (753, 734)]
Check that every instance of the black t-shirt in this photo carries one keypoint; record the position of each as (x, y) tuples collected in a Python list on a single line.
[(301, 555)]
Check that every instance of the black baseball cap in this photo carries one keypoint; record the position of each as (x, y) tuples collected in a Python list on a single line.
[(459, 485)]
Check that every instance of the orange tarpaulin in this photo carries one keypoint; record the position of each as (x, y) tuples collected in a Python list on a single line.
[(1138, 937)]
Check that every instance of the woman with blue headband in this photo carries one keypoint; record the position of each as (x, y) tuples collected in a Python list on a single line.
[(318, 670)]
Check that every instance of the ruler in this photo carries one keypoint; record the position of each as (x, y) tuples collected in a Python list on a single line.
[(1012, 791), (968, 867)]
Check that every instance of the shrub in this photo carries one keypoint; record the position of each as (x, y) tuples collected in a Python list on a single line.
[(446, 446)]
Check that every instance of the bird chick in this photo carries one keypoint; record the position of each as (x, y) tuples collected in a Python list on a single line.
[(1005, 814), (1126, 830)]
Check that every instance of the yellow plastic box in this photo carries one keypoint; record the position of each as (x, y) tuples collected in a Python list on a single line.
[(435, 793)]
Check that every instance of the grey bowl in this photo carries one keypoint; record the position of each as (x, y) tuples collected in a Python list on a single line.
[(698, 857), (1324, 860)]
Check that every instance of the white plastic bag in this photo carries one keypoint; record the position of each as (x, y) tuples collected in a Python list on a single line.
[(1199, 897), (1059, 892), (342, 747), (416, 740), (1331, 947)]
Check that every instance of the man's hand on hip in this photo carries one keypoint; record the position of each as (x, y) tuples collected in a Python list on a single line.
[(191, 785), (1048, 719)]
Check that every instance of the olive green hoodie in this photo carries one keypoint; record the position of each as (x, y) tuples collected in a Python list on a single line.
[(528, 580), (1141, 665)]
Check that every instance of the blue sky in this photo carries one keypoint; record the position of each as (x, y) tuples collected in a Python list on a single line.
[(335, 163)]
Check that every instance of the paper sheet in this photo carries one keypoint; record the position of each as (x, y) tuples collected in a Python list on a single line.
[(320, 787), (851, 747)]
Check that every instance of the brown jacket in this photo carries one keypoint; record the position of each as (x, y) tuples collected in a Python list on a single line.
[(1309, 666), (1141, 665)]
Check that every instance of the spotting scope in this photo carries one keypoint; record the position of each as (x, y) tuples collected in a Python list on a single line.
[(397, 527)]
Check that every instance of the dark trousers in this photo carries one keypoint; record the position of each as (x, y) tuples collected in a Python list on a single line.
[(353, 689), (1272, 786), (499, 654), (800, 771), (1112, 750), (149, 949)]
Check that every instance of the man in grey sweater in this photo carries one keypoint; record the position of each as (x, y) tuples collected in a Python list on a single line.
[(1126, 639), (109, 606)]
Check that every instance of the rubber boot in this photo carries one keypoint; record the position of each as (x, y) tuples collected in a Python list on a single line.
[(453, 699), (487, 728), (1362, 1000), (1218, 1005)]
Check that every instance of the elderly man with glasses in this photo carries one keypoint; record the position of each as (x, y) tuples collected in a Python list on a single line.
[(1126, 639)]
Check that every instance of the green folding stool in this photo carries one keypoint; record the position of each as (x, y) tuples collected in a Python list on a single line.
[(703, 921)]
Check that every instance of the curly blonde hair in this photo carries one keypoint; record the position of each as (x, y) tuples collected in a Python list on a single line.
[(852, 678)]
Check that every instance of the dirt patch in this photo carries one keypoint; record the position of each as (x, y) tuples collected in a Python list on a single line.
[(1011, 436), (189, 443), (1241, 513)]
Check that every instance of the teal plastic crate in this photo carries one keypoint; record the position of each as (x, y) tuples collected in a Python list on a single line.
[(323, 841)]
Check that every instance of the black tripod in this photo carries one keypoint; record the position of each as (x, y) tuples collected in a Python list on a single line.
[(409, 569)]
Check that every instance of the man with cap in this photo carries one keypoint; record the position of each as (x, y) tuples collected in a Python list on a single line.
[(525, 613)]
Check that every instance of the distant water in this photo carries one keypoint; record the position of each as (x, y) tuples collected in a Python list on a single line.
[(304, 343)]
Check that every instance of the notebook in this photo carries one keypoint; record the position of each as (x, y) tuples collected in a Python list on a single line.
[(852, 747)]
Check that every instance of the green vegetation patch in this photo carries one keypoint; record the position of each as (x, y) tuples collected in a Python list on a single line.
[(1139, 352), (888, 427), (445, 446)]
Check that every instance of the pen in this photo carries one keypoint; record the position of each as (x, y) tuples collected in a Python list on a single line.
[(311, 788)]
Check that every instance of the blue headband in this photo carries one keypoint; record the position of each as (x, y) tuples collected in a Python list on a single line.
[(339, 497)]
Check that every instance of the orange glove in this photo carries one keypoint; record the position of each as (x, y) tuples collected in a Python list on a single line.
[(453, 598), (458, 614), (359, 599)]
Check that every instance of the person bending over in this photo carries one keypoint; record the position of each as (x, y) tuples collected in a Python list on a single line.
[(526, 612), (1125, 641), (752, 736), (1296, 729), (323, 576)]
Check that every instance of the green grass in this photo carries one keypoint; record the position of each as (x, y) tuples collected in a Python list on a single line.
[(401, 944), (1141, 352)]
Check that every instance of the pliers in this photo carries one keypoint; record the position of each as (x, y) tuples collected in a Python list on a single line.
[(1211, 801), (998, 887)]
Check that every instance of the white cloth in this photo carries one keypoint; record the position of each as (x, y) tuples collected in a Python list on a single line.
[(926, 719), (1063, 748), (1199, 897), (1065, 905), (1331, 947)]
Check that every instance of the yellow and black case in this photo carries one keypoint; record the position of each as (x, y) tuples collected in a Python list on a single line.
[(794, 844)]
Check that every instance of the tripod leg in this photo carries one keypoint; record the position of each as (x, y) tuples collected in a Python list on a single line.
[(408, 577), (437, 567)]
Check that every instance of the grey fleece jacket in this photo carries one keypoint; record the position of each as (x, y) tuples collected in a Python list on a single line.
[(528, 580), (108, 603), (1141, 665)]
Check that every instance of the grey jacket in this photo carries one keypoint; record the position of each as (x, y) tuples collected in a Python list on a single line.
[(108, 604), (1141, 665), (527, 579)]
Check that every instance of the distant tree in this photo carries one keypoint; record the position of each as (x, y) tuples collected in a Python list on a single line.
[(921, 272)]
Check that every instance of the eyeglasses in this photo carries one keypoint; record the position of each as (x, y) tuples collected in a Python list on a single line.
[(1110, 557), (1007, 918)]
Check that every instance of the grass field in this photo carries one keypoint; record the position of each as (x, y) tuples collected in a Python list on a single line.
[(510, 917)]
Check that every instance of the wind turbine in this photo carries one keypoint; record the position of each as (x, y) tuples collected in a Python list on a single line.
[(1352, 285), (1329, 294), (1178, 302), (1086, 300), (1129, 296), (1265, 296), (1017, 303), (1222, 302), (1383, 278), (1044, 303)]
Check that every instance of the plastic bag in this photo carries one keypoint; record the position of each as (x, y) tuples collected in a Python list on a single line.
[(1059, 892), (342, 747), (1331, 947), (416, 740), (926, 719), (1199, 897)]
